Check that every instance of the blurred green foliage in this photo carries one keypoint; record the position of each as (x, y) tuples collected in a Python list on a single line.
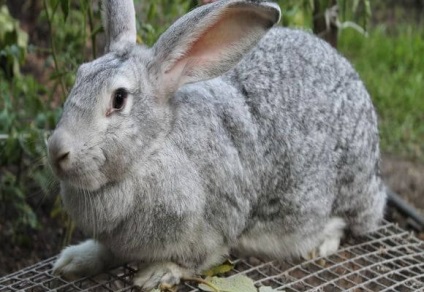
[(13, 43), (391, 64), (19, 104), (23, 119)]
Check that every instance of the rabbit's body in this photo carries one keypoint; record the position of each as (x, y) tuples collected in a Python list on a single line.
[(318, 153), (275, 158), (238, 162)]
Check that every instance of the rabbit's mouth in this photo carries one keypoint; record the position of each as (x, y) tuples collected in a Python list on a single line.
[(87, 176), (87, 182), (74, 163)]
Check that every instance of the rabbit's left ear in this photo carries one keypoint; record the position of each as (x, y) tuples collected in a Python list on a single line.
[(210, 40), (119, 23)]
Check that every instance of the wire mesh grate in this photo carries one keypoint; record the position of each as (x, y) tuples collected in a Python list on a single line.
[(391, 259)]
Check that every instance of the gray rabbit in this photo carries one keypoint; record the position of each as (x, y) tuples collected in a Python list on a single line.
[(227, 135)]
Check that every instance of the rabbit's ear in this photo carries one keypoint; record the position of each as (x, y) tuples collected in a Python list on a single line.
[(210, 40), (119, 24)]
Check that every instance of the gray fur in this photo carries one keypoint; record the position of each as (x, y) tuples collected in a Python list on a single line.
[(119, 24), (267, 152)]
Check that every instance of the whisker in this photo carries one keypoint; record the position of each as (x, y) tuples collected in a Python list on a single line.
[(94, 216)]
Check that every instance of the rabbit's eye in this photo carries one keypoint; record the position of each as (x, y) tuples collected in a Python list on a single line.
[(119, 98)]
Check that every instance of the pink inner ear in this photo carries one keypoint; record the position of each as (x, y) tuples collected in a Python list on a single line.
[(232, 28), (222, 34)]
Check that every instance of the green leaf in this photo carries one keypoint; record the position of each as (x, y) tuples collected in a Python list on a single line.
[(355, 4), (368, 12), (367, 5), (221, 269), (65, 5), (237, 283), (151, 12)]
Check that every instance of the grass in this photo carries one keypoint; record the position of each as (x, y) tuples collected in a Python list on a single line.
[(391, 63)]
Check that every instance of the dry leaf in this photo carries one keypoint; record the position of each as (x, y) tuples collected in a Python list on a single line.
[(237, 283)]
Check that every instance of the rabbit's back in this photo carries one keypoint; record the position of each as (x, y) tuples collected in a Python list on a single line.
[(291, 139), (317, 131)]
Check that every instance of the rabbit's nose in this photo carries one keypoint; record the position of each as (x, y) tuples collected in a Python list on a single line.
[(60, 151)]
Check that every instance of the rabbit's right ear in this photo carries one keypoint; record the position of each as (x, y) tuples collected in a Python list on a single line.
[(210, 40), (119, 23)]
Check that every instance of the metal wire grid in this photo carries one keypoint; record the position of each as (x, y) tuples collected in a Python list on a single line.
[(391, 259)]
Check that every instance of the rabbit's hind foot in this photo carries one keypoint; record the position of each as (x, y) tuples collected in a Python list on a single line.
[(331, 236), (163, 275)]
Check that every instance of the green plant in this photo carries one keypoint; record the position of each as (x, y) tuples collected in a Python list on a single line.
[(24, 120), (392, 67), (302, 13), (13, 43)]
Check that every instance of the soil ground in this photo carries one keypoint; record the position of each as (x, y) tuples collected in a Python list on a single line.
[(403, 177), (406, 179)]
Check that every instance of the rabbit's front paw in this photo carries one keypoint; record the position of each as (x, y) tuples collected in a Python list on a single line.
[(82, 260), (160, 275)]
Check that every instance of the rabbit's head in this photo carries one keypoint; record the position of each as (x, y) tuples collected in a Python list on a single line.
[(119, 111)]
